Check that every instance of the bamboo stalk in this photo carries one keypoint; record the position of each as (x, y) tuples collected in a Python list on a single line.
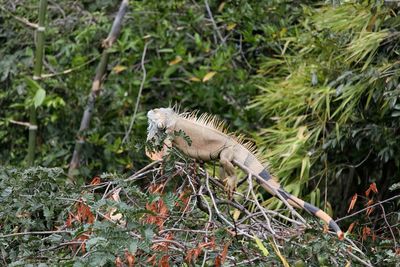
[(96, 88), (37, 72)]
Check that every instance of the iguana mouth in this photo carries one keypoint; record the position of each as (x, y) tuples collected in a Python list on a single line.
[(152, 130)]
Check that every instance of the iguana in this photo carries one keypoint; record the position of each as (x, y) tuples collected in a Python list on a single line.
[(209, 140)]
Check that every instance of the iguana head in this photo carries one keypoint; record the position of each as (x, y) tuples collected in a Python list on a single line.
[(159, 119)]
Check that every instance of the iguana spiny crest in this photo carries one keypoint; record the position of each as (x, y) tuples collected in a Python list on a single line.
[(210, 140)]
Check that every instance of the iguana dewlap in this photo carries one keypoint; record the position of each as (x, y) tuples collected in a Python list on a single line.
[(210, 141)]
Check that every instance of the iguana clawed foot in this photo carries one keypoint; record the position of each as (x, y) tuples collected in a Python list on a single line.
[(230, 185)]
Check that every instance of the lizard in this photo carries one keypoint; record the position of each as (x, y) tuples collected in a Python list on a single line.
[(210, 140)]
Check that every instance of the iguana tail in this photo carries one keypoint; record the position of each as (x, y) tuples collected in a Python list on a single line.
[(267, 182)]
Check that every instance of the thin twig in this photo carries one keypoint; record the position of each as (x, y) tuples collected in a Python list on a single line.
[(219, 213), (213, 22), (357, 212), (136, 174), (139, 93), (358, 259), (37, 233), (22, 20), (387, 223), (261, 181), (44, 76), (268, 221)]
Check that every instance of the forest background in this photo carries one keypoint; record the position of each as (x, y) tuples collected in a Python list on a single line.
[(315, 84)]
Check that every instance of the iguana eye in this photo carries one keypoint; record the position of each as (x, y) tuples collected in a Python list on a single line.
[(160, 125)]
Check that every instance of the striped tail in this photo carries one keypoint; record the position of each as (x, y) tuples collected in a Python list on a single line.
[(297, 202)]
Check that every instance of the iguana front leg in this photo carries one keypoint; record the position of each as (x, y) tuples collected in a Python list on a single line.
[(228, 170)]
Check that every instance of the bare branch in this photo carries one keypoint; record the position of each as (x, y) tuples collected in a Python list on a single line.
[(96, 87), (139, 93)]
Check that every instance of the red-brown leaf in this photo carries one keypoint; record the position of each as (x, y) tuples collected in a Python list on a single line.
[(95, 181), (352, 202), (130, 258), (164, 262), (350, 229), (373, 187), (118, 262)]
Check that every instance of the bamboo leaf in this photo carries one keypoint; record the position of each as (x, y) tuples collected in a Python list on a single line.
[(261, 246), (277, 251)]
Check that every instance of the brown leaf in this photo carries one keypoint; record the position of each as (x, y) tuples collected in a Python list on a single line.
[(352, 202), (130, 258), (218, 261), (350, 229), (373, 187), (366, 232), (69, 220), (164, 262), (369, 209), (83, 213), (95, 181), (118, 262), (224, 253)]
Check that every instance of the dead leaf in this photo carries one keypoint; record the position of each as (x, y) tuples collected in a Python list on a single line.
[(119, 68), (221, 6), (175, 61), (130, 258), (350, 229), (95, 181), (83, 213), (164, 262), (118, 262), (352, 202), (194, 79), (224, 253), (366, 232), (230, 26), (209, 76)]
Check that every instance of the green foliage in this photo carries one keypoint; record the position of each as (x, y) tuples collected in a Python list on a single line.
[(331, 101)]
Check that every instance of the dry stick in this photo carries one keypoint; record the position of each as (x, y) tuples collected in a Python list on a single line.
[(37, 233), (67, 71), (96, 87), (213, 22), (219, 213), (141, 171), (390, 228), (277, 194), (359, 259), (139, 93), (259, 206), (37, 72), (22, 20)]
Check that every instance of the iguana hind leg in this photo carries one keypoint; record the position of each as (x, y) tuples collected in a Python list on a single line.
[(228, 170)]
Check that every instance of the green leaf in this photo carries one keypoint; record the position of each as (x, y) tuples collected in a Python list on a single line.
[(93, 241), (396, 114), (261, 246), (133, 247), (39, 97)]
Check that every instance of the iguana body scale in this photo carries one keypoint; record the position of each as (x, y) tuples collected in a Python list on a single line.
[(209, 140)]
